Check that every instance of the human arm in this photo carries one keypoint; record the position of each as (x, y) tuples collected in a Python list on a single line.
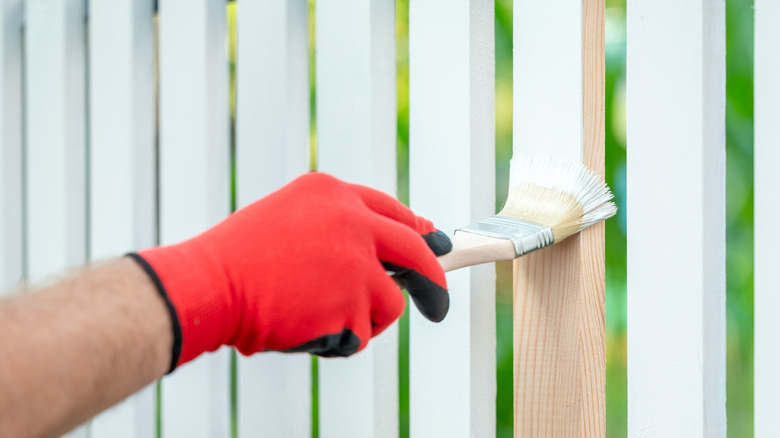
[(73, 349), (302, 270)]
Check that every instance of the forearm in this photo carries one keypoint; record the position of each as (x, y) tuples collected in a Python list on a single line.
[(73, 349)]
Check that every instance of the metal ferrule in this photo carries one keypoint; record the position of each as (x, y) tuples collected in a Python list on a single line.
[(526, 236)]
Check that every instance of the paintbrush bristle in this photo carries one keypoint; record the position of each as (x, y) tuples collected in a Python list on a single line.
[(561, 194)]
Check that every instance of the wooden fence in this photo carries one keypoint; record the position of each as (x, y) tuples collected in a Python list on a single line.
[(115, 132)]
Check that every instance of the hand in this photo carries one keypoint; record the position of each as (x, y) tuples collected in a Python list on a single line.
[(301, 270)]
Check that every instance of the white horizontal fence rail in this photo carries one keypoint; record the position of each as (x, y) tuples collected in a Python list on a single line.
[(122, 180), (452, 382), (194, 190), (766, 213), (676, 218), (11, 204), (356, 141), (272, 147)]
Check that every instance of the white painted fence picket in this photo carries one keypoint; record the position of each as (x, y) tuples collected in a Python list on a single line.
[(272, 147), (452, 373), (122, 160), (11, 197), (766, 213), (55, 139), (194, 184), (356, 141), (676, 218)]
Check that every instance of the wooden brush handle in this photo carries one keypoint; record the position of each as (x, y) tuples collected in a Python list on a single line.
[(473, 249)]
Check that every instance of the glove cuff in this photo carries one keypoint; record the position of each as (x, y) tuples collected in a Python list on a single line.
[(176, 351), (197, 295)]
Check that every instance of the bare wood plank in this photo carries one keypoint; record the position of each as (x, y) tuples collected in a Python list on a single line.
[(676, 218), (272, 147), (452, 145), (11, 206), (592, 256), (122, 181), (55, 158), (194, 184), (559, 354), (356, 138), (767, 210)]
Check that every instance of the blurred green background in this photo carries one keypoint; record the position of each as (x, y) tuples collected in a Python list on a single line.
[(739, 120)]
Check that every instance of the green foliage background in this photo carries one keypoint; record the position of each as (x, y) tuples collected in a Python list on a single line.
[(739, 118)]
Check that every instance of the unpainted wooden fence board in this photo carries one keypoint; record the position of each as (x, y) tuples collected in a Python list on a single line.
[(55, 156), (676, 218), (452, 382), (559, 350), (194, 189), (272, 147), (356, 139), (766, 211), (122, 181), (11, 206)]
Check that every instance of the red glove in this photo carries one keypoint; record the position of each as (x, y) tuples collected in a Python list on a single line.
[(301, 270)]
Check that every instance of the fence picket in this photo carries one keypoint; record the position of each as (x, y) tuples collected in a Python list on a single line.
[(11, 217), (272, 147), (356, 137), (194, 189), (676, 218), (55, 139), (559, 323), (767, 210), (451, 173), (122, 179)]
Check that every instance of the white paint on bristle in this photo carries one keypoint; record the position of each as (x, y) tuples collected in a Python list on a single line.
[(559, 193)]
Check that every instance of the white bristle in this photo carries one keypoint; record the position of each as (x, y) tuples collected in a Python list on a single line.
[(569, 185)]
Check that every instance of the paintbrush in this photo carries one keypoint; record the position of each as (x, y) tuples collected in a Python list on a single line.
[(549, 200)]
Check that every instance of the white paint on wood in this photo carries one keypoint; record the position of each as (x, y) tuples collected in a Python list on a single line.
[(274, 395), (122, 182), (272, 147), (272, 98), (547, 78), (55, 161), (194, 190), (767, 210), (356, 138), (451, 84), (133, 417), (11, 207), (55, 157), (676, 218)]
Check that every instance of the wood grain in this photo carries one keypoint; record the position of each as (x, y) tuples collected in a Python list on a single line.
[(559, 348)]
